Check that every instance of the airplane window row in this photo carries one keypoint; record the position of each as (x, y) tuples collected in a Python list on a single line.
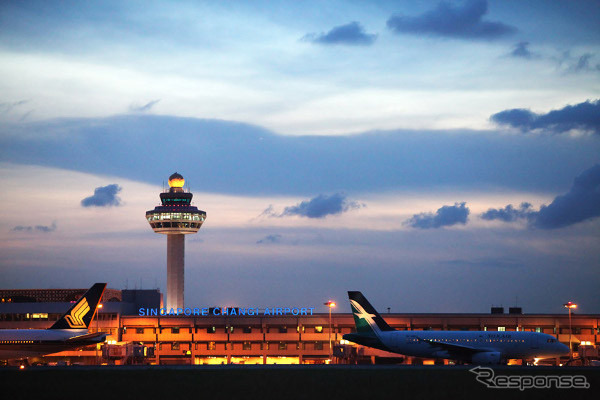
[(15, 341)]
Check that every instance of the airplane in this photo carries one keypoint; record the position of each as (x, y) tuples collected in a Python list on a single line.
[(475, 347), (69, 332)]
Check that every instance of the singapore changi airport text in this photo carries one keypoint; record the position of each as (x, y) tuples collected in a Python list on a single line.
[(216, 311)]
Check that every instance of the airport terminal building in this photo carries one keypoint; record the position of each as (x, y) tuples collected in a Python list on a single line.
[(265, 339)]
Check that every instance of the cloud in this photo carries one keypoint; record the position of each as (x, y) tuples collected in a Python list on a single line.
[(389, 160), (580, 203), (143, 107), (448, 20), (8, 107), (583, 116), (444, 216), (508, 213), (275, 238), (521, 50), (317, 207), (574, 64), (104, 196), (583, 64), (351, 34), (37, 228)]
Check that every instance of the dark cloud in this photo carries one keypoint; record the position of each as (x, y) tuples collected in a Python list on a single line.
[(318, 207), (583, 116), (143, 107), (508, 213), (444, 216), (351, 34), (584, 64), (521, 50), (37, 228), (274, 238), (242, 159), (104, 196), (448, 20), (580, 203)]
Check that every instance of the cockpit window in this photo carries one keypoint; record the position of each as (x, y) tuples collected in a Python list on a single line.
[(551, 340)]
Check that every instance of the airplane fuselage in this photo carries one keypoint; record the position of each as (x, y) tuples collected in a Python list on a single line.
[(485, 346), (23, 343)]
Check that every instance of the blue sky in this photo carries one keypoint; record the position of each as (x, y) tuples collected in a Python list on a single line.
[(438, 156)]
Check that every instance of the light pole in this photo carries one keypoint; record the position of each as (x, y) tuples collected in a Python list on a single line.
[(97, 330), (330, 304), (570, 305)]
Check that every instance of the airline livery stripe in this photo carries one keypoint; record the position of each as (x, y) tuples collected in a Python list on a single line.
[(75, 319)]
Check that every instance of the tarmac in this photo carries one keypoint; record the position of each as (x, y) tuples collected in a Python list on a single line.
[(300, 382)]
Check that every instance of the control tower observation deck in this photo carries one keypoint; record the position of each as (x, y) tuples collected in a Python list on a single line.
[(175, 218)]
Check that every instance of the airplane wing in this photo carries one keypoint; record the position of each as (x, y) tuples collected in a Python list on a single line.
[(455, 349), (88, 337)]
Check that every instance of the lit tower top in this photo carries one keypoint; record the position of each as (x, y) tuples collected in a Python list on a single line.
[(176, 214), (175, 218)]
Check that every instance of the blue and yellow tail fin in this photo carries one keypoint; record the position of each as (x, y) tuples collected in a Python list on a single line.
[(81, 314)]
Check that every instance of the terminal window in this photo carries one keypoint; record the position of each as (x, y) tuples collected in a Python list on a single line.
[(283, 329), (247, 346), (175, 330), (211, 329), (282, 346), (247, 329), (139, 330), (175, 346), (318, 329), (211, 346)]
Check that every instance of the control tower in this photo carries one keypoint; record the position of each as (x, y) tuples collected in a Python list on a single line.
[(175, 218)]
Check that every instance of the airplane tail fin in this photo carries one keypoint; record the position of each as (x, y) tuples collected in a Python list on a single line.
[(366, 318), (81, 314)]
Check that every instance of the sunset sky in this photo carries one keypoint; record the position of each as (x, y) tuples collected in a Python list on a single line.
[(437, 156)]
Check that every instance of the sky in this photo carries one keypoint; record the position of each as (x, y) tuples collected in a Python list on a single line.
[(439, 156)]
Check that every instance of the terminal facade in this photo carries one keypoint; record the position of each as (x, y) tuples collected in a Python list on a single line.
[(264, 339)]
